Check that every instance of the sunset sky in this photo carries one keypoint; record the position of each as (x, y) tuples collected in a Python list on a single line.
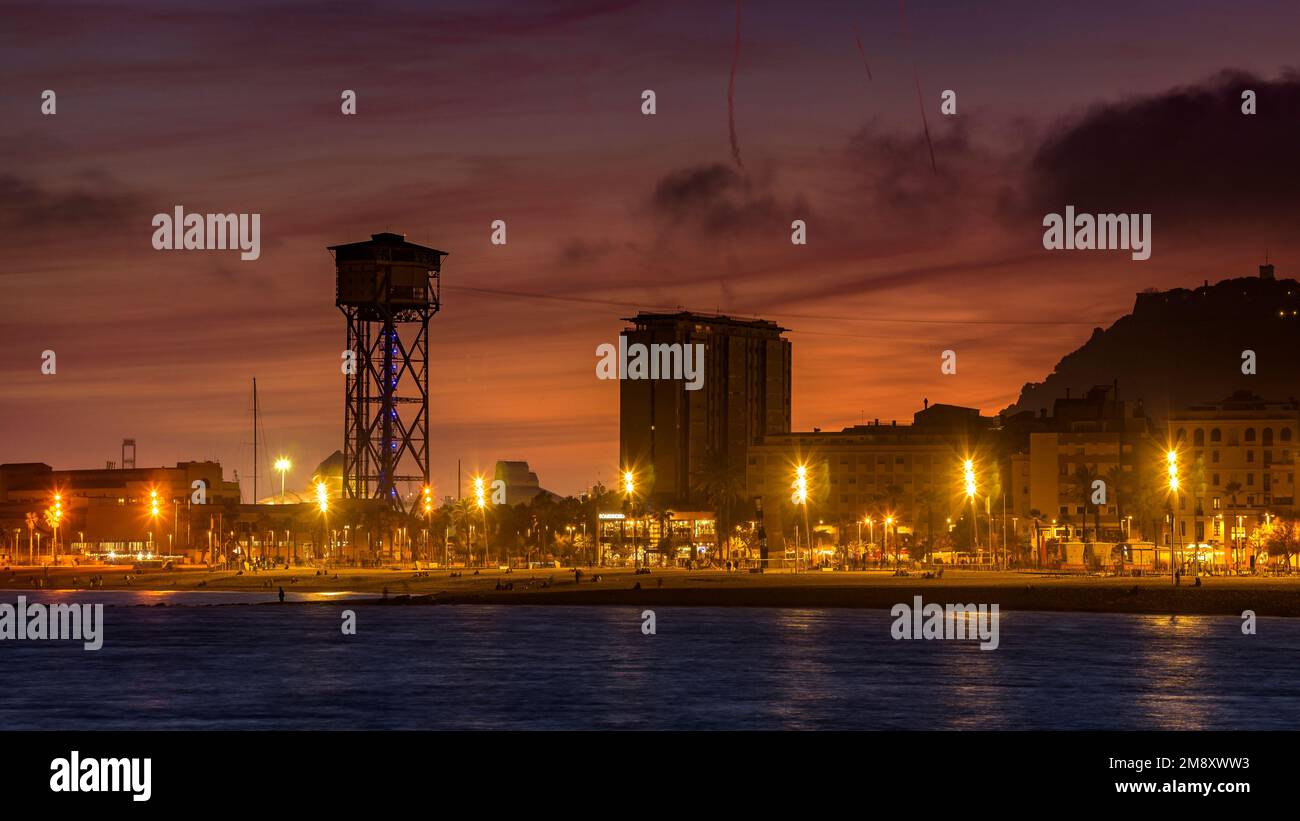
[(531, 112)]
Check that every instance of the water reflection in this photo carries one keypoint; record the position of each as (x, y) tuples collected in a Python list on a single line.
[(526, 667)]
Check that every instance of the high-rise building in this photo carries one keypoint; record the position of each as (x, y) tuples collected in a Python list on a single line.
[(676, 439)]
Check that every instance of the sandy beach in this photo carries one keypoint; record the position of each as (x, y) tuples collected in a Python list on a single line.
[(1267, 596)]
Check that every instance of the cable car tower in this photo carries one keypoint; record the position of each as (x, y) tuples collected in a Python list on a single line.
[(387, 288)]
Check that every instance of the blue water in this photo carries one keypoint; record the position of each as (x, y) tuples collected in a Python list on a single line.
[(520, 667)]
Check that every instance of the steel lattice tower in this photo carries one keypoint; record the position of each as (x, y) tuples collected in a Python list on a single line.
[(387, 288)]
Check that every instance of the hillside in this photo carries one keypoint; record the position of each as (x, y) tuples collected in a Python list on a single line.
[(1183, 346)]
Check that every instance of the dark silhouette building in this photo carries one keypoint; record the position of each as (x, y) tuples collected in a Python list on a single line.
[(677, 440)]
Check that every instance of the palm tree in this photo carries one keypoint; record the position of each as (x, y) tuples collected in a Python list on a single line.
[(1037, 516), (1196, 480), (1084, 476), (723, 488), (926, 500), (463, 512), (31, 538), (1232, 489), (1119, 483)]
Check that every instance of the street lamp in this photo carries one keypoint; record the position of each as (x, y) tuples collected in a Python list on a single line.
[(889, 521), (323, 504), (860, 521), (53, 516), (1171, 462), (282, 465), (153, 517), (427, 495), (968, 475), (480, 498), (800, 497), (629, 503)]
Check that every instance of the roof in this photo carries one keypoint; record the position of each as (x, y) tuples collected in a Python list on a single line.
[(385, 238), (705, 319)]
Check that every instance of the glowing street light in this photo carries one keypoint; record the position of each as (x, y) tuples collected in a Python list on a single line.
[(629, 508), (480, 499), (282, 465), (323, 505), (53, 516), (968, 477), (889, 522), (153, 516), (426, 499), (800, 497), (1171, 462)]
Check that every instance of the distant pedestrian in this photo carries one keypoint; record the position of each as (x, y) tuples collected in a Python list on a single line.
[(281, 595)]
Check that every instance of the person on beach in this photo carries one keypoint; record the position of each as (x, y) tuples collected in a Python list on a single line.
[(281, 595)]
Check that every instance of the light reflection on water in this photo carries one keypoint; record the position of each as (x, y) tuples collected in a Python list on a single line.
[(591, 667), (127, 598)]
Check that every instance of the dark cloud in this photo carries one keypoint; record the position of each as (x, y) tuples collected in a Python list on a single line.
[(578, 251), (715, 200), (892, 179), (94, 204), (1189, 156)]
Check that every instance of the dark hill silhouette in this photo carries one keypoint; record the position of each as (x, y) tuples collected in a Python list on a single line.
[(1183, 346)]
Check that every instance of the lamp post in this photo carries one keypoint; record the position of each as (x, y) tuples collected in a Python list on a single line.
[(968, 475), (889, 521), (282, 466), (323, 505), (1171, 461), (52, 517), (629, 499), (800, 497), (480, 499), (860, 547), (153, 517), (1236, 544), (427, 495)]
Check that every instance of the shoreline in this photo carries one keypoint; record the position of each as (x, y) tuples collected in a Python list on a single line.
[(1010, 590)]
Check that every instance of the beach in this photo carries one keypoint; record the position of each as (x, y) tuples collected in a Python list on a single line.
[(1011, 590)]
